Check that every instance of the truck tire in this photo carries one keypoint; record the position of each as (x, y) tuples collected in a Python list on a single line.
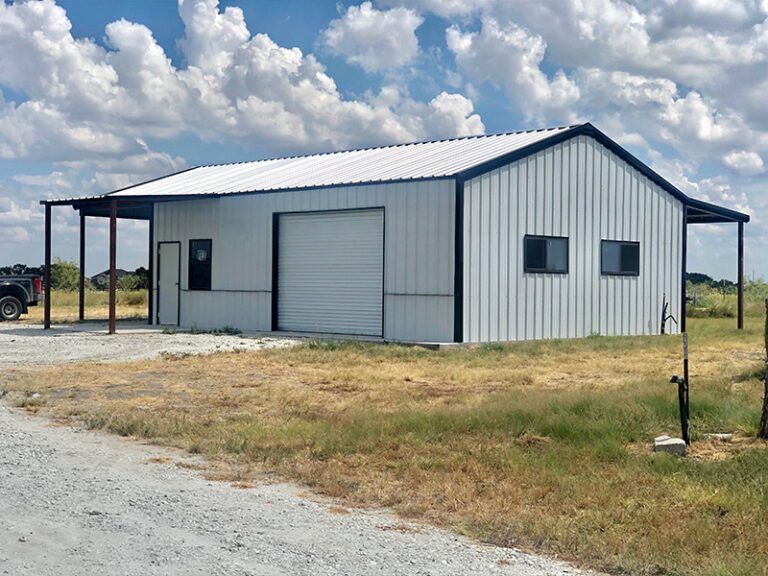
[(10, 308)]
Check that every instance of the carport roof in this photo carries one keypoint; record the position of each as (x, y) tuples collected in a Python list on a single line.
[(460, 158)]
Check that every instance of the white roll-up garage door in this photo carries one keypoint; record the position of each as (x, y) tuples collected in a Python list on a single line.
[(331, 272)]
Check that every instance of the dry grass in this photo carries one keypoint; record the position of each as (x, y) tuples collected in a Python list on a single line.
[(159, 460), (65, 306), (541, 445)]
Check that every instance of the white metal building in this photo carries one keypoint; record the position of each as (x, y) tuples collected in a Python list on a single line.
[(555, 233)]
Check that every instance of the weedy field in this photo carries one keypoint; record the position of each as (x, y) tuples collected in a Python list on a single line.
[(542, 445), (65, 306)]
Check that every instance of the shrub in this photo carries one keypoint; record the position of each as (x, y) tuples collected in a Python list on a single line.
[(65, 275), (128, 282)]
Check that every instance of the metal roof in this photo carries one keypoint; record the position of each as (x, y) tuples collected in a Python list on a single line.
[(459, 158), (416, 161)]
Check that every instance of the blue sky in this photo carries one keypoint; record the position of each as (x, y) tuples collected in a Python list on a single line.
[(96, 95)]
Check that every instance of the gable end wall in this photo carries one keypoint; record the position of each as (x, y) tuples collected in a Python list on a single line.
[(581, 190)]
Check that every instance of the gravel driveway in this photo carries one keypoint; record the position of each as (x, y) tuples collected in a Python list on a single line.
[(29, 344), (82, 503)]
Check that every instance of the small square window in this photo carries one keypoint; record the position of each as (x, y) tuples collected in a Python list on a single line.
[(547, 254), (620, 258), (200, 264)]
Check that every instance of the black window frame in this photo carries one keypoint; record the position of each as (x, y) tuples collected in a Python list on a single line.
[(529, 270), (195, 263), (603, 271)]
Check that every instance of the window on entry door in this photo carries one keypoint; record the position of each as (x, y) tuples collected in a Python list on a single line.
[(199, 264)]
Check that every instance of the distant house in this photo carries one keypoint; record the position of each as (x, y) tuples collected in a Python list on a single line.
[(100, 281), (555, 233)]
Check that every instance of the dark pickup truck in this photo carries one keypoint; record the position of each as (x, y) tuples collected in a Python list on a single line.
[(17, 294)]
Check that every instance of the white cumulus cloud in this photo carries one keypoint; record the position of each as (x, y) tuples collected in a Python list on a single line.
[(443, 8), (744, 162), (84, 99), (510, 57), (375, 39)]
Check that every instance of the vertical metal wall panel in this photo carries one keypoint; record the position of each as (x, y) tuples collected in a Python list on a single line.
[(418, 273), (581, 190)]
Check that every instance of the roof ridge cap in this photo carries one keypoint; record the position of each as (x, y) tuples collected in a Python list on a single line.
[(389, 146)]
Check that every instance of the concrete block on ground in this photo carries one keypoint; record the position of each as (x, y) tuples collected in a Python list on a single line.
[(670, 445)]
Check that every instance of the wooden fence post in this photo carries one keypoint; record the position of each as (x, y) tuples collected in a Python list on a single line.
[(762, 431)]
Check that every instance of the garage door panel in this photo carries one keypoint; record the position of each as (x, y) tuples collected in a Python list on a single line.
[(331, 272)]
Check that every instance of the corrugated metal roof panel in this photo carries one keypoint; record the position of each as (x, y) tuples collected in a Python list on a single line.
[(401, 162), (420, 160)]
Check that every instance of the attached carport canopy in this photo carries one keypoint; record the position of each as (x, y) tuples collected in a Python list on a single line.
[(700, 212), (104, 207), (100, 207)]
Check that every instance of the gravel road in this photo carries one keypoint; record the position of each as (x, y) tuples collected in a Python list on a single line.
[(29, 344), (82, 503)]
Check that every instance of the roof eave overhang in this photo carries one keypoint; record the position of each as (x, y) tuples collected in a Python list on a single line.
[(100, 207), (700, 212), (89, 202)]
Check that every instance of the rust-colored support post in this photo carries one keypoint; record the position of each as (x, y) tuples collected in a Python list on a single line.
[(740, 281), (47, 272), (81, 314), (112, 264)]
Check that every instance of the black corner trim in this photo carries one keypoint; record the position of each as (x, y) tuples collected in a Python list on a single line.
[(275, 256), (683, 266), (458, 264), (151, 272)]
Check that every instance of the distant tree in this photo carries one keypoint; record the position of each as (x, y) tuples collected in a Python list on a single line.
[(143, 275), (128, 282), (65, 275), (698, 278), (724, 286)]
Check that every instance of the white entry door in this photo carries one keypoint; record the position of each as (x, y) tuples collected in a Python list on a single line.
[(168, 277), (331, 272)]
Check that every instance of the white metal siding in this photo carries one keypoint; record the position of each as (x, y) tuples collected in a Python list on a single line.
[(418, 262), (331, 272), (581, 190)]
